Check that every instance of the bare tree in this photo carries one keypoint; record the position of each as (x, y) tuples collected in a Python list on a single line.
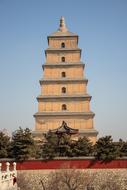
[(73, 179), (29, 181), (110, 180), (68, 179)]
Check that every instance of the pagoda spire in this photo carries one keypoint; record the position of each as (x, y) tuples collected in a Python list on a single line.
[(62, 26)]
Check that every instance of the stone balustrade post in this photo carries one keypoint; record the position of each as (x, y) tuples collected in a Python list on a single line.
[(7, 166), (0, 174), (0, 167), (14, 166)]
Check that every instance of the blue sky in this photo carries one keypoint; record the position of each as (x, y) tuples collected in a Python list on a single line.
[(102, 29)]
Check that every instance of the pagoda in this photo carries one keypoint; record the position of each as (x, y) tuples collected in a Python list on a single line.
[(64, 88)]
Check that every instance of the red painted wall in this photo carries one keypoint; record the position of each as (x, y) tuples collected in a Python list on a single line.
[(76, 163)]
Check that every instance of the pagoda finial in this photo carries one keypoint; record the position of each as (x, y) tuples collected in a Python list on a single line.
[(62, 27)]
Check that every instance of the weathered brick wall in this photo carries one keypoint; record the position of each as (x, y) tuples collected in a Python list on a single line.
[(74, 162), (78, 163)]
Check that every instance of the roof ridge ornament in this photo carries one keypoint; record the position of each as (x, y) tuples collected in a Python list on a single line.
[(62, 26)]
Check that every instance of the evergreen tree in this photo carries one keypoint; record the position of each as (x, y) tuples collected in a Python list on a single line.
[(83, 147), (49, 148), (4, 145), (122, 147), (23, 146), (105, 149), (38, 150), (64, 145)]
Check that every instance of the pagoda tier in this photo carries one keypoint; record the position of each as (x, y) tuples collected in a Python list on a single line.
[(64, 94)]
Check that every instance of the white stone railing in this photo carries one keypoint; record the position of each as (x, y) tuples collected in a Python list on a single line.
[(8, 177)]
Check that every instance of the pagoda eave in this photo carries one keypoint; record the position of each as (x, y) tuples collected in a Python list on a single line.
[(59, 81), (63, 65), (61, 34), (85, 132), (64, 97), (65, 113), (53, 50), (88, 132)]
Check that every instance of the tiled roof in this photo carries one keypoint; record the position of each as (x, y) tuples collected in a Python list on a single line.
[(64, 129)]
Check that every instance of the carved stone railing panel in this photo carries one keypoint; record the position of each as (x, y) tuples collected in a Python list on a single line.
[(8, 177)]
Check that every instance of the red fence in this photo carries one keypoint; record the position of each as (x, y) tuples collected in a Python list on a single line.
[(70, 163)]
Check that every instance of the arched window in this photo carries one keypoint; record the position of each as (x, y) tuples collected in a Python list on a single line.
[(63, 90), (64, 107), (63, 59), (62, 45), (63, 74)]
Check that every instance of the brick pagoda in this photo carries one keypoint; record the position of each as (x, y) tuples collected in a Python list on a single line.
[(64, 87)]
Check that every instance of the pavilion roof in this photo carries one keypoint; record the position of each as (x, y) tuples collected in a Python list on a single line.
[(64, 129)]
